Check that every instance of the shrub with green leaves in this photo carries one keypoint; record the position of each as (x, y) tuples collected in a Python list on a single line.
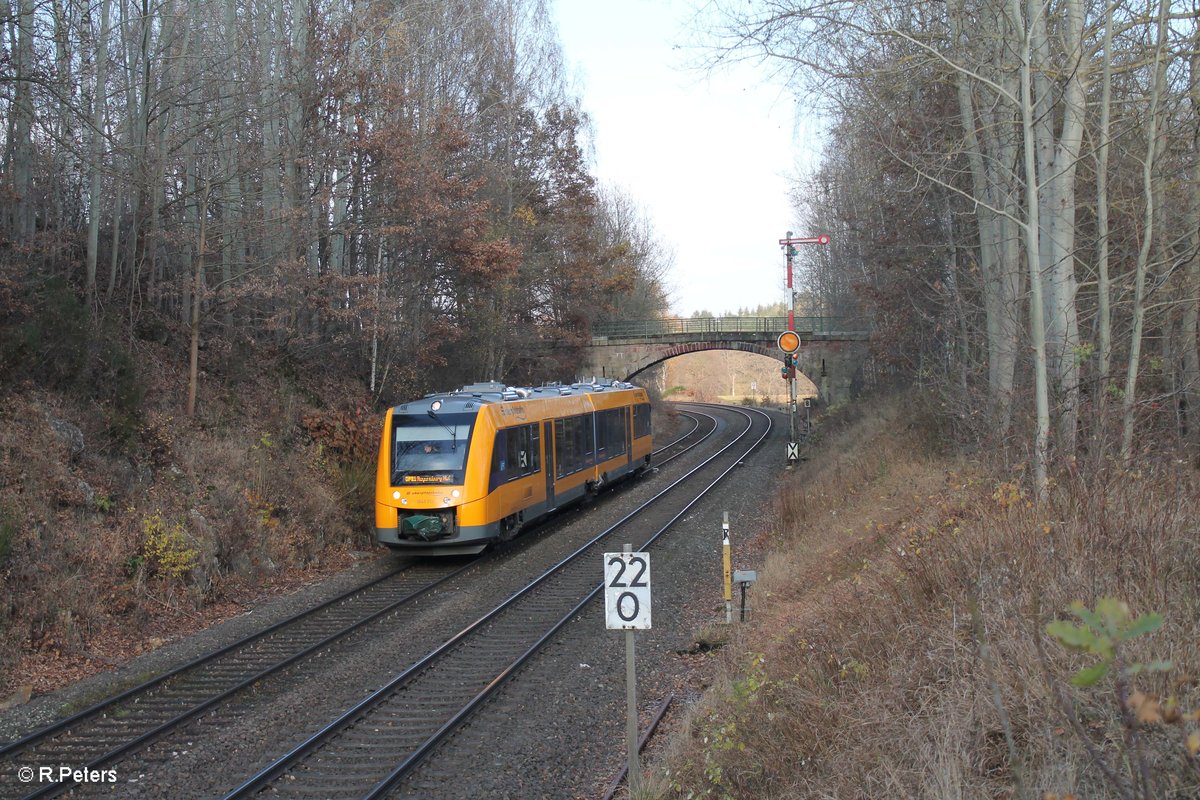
[(1101, 633), (166, 547)]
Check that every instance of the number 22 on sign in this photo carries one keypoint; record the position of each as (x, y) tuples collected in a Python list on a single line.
[(627, 591)]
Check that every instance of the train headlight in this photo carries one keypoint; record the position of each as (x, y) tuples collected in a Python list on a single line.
[(395, 495), (404, 502), (456, 494), (445, 501)]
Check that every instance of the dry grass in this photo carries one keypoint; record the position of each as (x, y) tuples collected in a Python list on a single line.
[(107, 549), (896, 648)]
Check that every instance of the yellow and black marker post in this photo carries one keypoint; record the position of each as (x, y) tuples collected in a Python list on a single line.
[(728, 559)]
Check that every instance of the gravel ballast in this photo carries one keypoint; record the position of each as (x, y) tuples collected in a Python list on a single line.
[(555, 730)]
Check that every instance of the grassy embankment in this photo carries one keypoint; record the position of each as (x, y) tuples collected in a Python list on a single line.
[(900, 645), (124, 523)]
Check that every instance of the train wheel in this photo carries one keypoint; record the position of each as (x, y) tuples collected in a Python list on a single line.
[(509, 527)]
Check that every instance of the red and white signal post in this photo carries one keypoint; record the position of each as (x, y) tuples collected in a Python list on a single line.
[(789, 340)]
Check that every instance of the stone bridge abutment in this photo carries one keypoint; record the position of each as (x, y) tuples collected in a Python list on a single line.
[(830, 358)]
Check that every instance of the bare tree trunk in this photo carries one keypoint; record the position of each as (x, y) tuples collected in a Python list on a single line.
[(292, 111), (339, 185), (1129, 402), (137, 66), (1032, 252), (1103, 288), (271, 199), (233, 216), (99, 104), (1191, 304), (21, 217), (1008, 283), (191, 205), (963, 338), (197, 287), (65, 159), (114, 256), (379, 277), (1057, 157), (232, 220), (164, 100), (999, 384)]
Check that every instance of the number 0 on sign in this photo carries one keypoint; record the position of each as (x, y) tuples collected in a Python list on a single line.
[(627, 591)]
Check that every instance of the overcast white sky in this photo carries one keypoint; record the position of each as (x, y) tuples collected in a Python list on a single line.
[(707, 156)]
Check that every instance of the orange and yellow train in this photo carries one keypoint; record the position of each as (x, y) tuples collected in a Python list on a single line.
[(460, 470)]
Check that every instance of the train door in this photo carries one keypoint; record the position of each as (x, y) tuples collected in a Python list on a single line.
[(548, 463)]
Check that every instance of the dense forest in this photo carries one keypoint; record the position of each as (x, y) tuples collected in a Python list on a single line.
[(1012, 191), (395, 189), (231, 232)]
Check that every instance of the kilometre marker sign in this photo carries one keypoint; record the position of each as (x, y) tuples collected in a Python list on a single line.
[(627, 591)]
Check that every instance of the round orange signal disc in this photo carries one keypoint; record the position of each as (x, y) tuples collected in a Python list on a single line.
[(789, 341)]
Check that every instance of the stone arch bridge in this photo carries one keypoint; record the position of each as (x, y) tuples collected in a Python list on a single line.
[(832, 350)]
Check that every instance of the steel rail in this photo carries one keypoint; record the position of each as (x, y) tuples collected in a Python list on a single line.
[(53, 788), (344, 721), (643, 740), (695, 424), (419, 754), (694, 444), (42, 733)]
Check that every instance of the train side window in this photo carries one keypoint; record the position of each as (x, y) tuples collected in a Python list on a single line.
[(499, 460), (515, 454), (524, 457), (641, 420), (610, 429), (535, 446), (587, 440), (500, 453), (602, 435), (574, 444)]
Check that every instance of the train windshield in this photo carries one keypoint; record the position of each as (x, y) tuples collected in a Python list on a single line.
[(430, 448)]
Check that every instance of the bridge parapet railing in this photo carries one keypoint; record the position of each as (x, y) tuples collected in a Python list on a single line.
[(636, 329)]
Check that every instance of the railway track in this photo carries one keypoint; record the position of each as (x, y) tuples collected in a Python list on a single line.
[(681, 443), (108, 731), (376, 743), (100, 735)]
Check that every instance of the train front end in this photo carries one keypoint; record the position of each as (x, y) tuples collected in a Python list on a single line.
[(425, 477)]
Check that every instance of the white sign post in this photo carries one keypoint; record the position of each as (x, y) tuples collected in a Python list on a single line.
[(627, 591), (627, 608)]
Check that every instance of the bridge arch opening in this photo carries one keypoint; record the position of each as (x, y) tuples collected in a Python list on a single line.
[(721, 371)]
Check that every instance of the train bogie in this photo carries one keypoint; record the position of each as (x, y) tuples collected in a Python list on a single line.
[(460, 471)]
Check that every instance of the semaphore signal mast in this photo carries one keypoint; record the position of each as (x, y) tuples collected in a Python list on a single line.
[(789, 340)]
